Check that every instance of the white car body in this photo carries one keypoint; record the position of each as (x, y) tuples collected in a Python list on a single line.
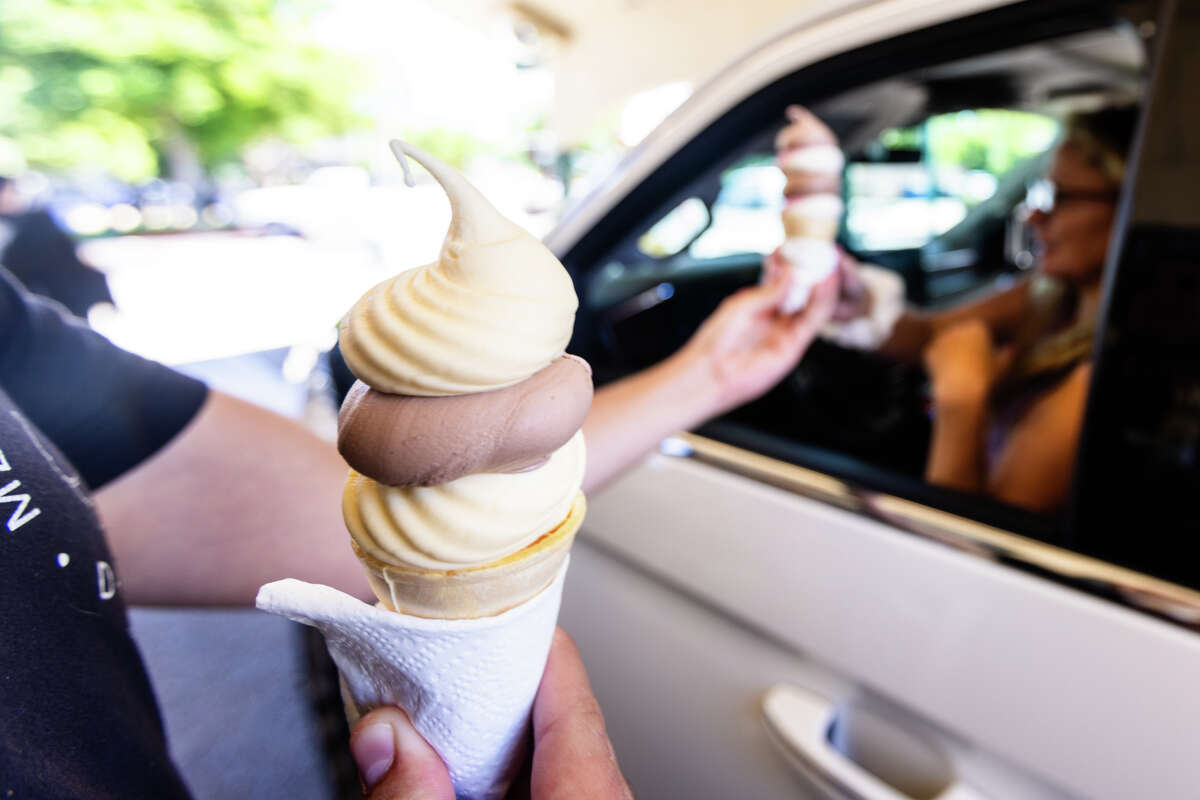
[(698, 585)]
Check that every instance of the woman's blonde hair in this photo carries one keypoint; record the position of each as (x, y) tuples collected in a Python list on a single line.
[(1104, 138)]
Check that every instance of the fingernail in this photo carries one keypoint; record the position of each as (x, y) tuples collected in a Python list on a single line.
[(374, 749)]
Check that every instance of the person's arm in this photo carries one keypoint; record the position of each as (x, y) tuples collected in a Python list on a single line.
[(1035, 466), (960, 362), (743, 349), (629, 417), (240, 497), (572, 755), (999, 311), (204, 497), (956, 448)]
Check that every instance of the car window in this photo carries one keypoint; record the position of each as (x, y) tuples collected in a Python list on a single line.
[(943, 164)]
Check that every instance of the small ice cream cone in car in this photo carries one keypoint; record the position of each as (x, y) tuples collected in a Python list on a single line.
[(807, 152)]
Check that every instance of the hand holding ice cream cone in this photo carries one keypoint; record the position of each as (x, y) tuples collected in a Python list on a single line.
[(750, 342), (573, 755)]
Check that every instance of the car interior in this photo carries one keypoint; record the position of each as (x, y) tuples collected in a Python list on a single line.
[(940, 158)]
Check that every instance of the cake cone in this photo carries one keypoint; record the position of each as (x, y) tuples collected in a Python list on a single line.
[(812, 216), (474, 592)]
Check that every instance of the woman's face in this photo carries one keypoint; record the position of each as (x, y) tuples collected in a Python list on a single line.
[(1074, 234)]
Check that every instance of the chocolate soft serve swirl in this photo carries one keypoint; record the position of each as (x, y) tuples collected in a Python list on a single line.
[(464, 433), (401, 440)]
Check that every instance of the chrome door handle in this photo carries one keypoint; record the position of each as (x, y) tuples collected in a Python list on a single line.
[(799, 723)]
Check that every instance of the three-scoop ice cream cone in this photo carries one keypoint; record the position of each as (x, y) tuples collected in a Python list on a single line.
[(463, 499), (463, 432), (811, 161)]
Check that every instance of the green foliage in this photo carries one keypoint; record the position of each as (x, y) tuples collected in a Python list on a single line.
[(902, 138), (456, 148), (990, 139), (129, 85)]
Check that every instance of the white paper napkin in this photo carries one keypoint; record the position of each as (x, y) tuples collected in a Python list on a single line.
[(886, 288), (468, 685), (810, 261)]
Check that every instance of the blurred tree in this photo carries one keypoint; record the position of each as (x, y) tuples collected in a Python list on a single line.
[(147, 87), (455, 147), (989, 139)]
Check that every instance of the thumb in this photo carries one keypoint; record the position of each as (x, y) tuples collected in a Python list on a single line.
[(776, 270), (395, 762), (777, 279)]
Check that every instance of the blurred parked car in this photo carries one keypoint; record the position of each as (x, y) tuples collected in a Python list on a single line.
[(777, 605)]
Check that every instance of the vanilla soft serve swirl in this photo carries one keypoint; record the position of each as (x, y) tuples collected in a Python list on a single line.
[(495, 308), (470, 521)]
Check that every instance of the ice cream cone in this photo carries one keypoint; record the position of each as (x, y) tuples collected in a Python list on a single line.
[(811, 162), (466, 430), (812, 216), (474, 592), (803, 226)]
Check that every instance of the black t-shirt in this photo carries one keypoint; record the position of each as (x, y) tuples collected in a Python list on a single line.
[(43, 258), (77, 715)]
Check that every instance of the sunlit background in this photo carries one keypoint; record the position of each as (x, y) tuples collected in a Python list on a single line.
[(224, 162)]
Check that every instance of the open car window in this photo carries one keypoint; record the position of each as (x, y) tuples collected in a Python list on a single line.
[(941, 158)]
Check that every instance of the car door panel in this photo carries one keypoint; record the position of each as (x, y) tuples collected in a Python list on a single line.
[(682, 683), (1014, 662)]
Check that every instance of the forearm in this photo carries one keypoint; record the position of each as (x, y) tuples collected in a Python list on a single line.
[(956, 452), (630, 417), (909, 337), (743, 349), (239, 498), (1002, 311)]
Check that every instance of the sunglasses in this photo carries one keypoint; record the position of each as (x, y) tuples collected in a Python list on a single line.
[(1045, 196)]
